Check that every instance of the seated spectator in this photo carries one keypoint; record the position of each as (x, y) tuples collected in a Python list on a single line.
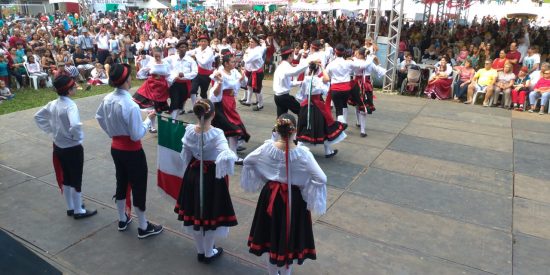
[(542, 91), (403, 68), (475, 57), (98, 76), (83, 62), (521, 89), (483, 81), (72, 70), (5, 93), (466, 73), (48, 62), (463, 55), (499, 62), (532, 60), (504, 85), (4, 69), (439, 85), (34, 69), (514, 56)]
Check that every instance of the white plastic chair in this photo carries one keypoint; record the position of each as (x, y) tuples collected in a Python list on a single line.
[(417, 54), (33, 79), (484, 91)]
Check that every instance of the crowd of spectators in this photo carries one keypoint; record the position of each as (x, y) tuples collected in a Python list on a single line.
[(85, 48)]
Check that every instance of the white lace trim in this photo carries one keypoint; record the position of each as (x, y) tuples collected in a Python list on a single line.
[(225, 163), (209, 135), (315, 195), (278, 154), (250, 180)]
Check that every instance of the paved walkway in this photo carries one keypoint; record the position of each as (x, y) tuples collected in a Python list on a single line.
[(436, 188)]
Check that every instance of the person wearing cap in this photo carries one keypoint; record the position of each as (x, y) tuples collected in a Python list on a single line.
[(183, 69), (120, 118), (61, 120), (84, 40), (282, 81), (339, 72), (205, 56), (253, 64)]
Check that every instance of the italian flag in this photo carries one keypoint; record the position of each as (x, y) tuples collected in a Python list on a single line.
[(170, 168)]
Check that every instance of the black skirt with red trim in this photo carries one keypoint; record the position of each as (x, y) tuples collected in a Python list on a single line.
[(361, 97), (229, 129), (320, 130), (218, 208), (268, 233)]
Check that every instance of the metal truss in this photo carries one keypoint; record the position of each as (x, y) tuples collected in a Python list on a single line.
[(373, 19), (394, 35)]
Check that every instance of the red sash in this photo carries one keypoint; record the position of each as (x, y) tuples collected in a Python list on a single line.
[(203, 71), (341, 87), (254, 75), (124, 143), (316, 100)]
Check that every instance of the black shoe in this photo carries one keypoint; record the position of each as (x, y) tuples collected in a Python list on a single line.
[(70, 213), (86, 214), (152, 229), (88, 87), (257, 108), (357, 125), (245, 104), (122, 226), (208, 260), (241, 148), (181, 112), (153, 130), (363, 134), (239, 161), (200, 257), (190, 111), (331, 155)]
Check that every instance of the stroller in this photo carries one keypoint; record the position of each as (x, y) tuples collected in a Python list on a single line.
[(414, 83)]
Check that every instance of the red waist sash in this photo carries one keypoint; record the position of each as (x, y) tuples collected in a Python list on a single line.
[(317, 101), (203, 71), (197, 163), (341, 87), (124, 143), (254, 75)]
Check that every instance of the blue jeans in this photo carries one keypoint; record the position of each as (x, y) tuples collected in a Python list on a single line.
[(460, 92), (533, 96)]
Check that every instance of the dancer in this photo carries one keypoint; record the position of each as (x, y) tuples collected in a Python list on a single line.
[(339, 72), (253, 64), (361, 95), (204, 204), (224, 91), (282, 82), (183, 69), (60, 119), (153, 92), (120, 118), (293, 185), (205, 56), (315, 122)]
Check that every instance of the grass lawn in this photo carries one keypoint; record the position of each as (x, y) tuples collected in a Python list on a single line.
[(27, 97)]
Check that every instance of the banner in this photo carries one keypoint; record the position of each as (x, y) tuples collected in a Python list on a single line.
[(170, 168)]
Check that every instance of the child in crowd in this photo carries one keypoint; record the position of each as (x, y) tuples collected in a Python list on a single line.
[(5, 93)]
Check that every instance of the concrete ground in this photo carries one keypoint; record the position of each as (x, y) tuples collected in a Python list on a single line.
[(436, 188)]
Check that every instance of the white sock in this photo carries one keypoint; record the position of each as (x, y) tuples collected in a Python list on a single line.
[(153, 123), (341, 119), (193, 100), (208, 245), (284, 270), (345, 114), (175, 113), (271, 268), (260, 98), (199, 241), (67, 193), (233, 144), (328, 149), (249, 95), (77, 201), (245, 95), (363, 121), (141, 218), (357, 116), (121, 207)]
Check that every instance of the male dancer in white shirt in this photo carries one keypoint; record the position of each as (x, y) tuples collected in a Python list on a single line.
[(183, 70), (253, 65), (60, 119), (120, 117), (205, 56)]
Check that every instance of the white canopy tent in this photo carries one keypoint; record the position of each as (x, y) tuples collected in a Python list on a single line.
[(153, 4)]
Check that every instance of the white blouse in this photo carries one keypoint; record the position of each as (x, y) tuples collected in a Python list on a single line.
[(313, 83), (154, 68), (229, 82), (267, 163), (215, 149)]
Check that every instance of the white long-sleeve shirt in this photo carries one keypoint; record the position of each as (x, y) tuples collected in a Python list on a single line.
[(119, 115), (185, 65), (102, 41), (204, 58), (215, 149), (340, 69), (267, 163), (282, 78), (254, 58), (61, 120), (154, 68), (229, 82), (313, 83), (370, 68)]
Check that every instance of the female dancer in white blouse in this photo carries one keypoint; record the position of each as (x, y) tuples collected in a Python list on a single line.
[(223, 95), (282, 225), (153, 93), (207, 210)]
